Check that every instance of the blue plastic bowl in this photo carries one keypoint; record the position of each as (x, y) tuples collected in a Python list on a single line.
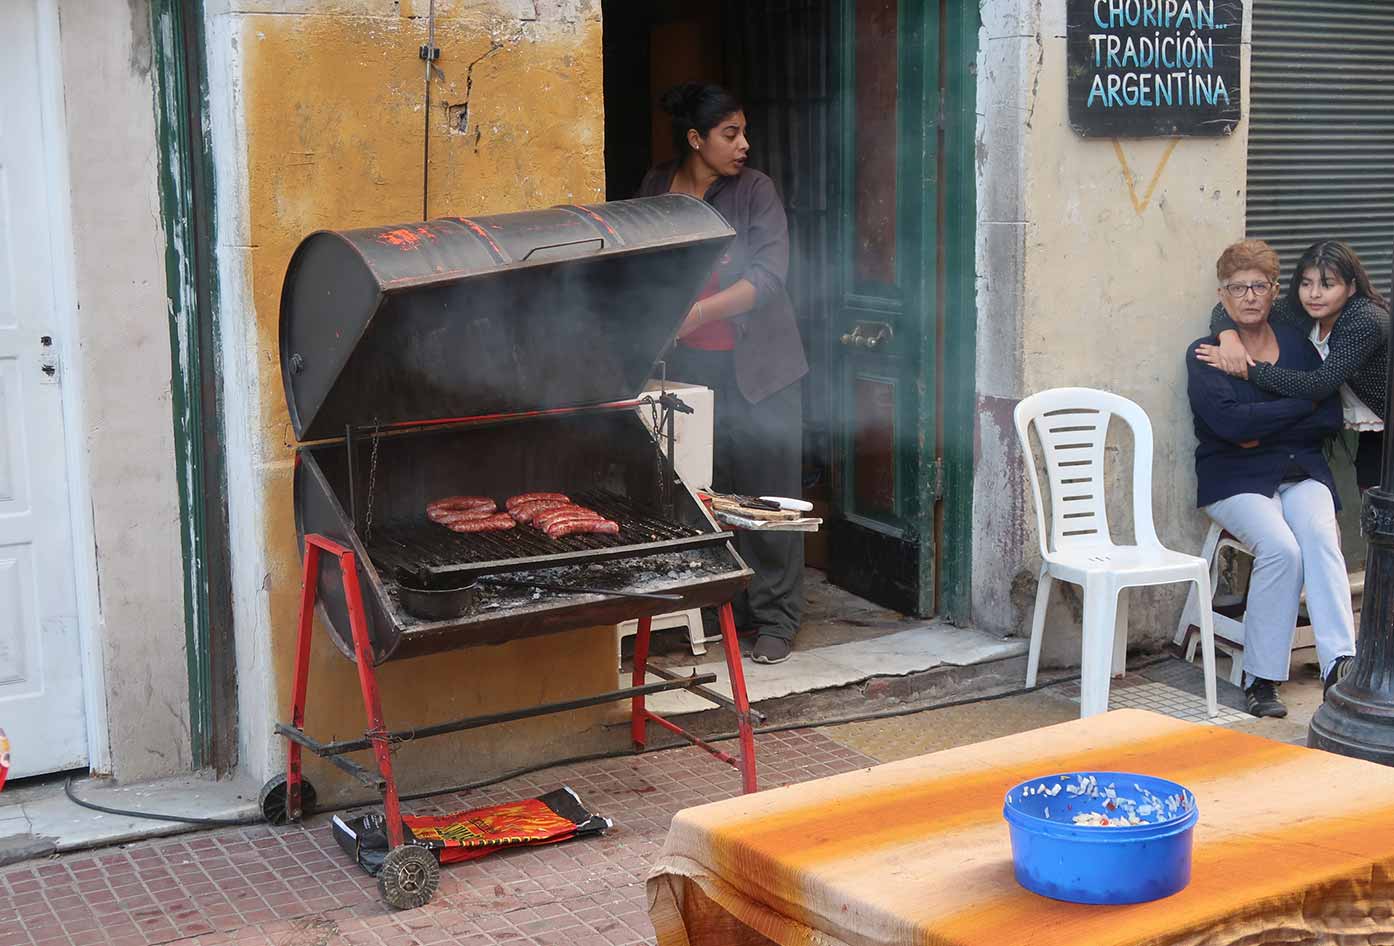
[(1057, 858)]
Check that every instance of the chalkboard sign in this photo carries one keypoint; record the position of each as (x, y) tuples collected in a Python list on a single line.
[(1143, 68)]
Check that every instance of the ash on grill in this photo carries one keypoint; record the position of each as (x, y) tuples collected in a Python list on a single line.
[(649, 573)]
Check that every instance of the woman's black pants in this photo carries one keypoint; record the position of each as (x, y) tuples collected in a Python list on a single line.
[(758, 451)]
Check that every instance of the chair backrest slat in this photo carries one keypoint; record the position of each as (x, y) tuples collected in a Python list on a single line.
[(1071, 425)]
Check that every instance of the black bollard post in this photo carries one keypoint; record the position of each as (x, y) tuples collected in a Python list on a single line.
[(1357, 718)]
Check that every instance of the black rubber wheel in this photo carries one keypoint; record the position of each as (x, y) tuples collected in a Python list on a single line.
[(409, 877), (273, 800)]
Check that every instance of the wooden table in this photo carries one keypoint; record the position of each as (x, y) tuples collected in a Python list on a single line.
[(1293, 846)]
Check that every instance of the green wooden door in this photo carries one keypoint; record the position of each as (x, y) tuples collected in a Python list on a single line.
[(884, 318)]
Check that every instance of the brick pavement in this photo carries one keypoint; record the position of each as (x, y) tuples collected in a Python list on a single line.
[(292, 886)]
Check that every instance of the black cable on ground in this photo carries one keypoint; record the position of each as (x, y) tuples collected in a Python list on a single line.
[(759, 730), (613, 754), (156, 816)]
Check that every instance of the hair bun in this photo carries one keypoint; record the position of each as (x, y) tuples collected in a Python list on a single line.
[(680, 99)]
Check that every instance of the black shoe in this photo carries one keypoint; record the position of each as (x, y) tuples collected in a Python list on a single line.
[(1338, 672), (1262, 699), (771, 650)]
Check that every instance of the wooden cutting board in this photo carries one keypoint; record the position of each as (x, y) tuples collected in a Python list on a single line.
[(768, 515)]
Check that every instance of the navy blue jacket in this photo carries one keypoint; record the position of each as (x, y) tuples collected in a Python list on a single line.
[(1230, 411)]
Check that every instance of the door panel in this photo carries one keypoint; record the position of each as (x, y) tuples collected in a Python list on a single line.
[(41, 704), (874, 130), (873, 437), (881, 534)]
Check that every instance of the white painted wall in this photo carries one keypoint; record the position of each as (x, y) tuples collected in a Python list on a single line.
[(1080, 285), (259, 751), (120, 356)]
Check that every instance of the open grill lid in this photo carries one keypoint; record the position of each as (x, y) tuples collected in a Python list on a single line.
[(462, 317)]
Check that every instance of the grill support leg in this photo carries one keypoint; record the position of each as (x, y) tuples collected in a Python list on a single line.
[(638, 715), (732, 646), (372, 701), (309, 587)]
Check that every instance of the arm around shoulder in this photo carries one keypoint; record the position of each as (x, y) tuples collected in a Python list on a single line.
[(1212, 398)]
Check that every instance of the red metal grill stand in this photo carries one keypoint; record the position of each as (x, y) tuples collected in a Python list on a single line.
[(639, 715), (410, 873)]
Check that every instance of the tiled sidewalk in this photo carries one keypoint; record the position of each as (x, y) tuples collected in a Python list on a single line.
[(292, 886)]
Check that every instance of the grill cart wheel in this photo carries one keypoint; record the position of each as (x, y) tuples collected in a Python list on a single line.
[(273, 800), (409, 877)]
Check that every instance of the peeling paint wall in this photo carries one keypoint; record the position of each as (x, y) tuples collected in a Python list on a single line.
[(123, 356), (318, 120), (1096, 268)]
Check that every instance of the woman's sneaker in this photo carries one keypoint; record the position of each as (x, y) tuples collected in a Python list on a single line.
[(1338, 672), (1261, 696), (771, 650)]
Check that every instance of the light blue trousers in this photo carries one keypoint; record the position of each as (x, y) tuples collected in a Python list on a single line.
[(1295, 540)]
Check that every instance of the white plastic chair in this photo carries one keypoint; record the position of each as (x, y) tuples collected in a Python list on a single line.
[(690, 621), (1072, 425), (1229, 633)]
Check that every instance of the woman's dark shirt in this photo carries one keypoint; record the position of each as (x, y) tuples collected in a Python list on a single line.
[(1229, 411), (1358, 354), (769, 353)]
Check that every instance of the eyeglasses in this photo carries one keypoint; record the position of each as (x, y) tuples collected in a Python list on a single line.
[(1238, 290)]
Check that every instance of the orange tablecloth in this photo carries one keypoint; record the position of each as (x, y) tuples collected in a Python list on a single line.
[(1293, 846)]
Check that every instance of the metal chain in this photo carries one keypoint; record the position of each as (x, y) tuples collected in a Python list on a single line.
[(654, 403), (372, 480)]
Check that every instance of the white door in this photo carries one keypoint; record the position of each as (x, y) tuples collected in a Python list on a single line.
[(41, 706)]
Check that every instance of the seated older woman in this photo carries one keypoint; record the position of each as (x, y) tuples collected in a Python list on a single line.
[(1262, 475)]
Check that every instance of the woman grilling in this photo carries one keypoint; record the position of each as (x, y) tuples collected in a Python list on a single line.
[(1262, 475), (741, 339), (1330, 300)]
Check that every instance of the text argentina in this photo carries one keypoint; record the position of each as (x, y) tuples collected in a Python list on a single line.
[(1153, 90)]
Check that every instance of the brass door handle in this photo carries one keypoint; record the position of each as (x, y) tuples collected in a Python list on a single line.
[(871, 336)]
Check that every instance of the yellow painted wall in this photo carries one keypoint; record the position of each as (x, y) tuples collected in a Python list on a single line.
[(333, 105)]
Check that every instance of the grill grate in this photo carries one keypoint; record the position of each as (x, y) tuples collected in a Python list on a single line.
[(417, 544)]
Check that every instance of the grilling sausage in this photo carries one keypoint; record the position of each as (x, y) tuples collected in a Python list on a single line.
[(544, 519), (448, 515), (584, 514), (583, 526), (513, 502), (452, 516), (542, 515), (495, 523), (461, 503), (563, 520), (524, 512)]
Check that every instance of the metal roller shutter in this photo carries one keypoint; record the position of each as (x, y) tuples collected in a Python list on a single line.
[(1321, 128)]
